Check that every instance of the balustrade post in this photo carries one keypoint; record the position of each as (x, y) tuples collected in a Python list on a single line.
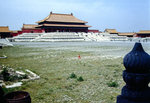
[(1, 95), (136, 77)]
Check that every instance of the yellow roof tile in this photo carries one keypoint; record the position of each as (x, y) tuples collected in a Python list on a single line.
[(126, 34), (62, 25), (111, 30), (29, 26), (144, 32), (4, 29), (53, 17)]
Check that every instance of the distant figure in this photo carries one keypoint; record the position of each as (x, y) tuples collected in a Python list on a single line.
[(79, 57)]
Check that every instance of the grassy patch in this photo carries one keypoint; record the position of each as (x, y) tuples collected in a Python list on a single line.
[(54, 66)]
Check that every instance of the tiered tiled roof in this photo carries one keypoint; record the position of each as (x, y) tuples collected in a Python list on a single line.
[(113, 31), (126, 34), (69, 18), (29, 26), (63, 25), (144, 32), (4, 29)]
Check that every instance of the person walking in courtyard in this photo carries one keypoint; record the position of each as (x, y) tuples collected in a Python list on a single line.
[(79, 57)]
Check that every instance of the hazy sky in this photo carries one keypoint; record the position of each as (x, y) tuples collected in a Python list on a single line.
[(123, 15)]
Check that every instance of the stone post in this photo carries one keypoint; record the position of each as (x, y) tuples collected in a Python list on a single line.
[(136, 77), (1, 95)]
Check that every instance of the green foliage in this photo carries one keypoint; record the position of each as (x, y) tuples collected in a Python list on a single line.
[(112, 84), (23, 77), (73, 75), (49, 64), (80, 79), (5, 73), (9, 74), (13, 78)]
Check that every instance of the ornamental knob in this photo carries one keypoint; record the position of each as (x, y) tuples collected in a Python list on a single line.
[(137, 60)]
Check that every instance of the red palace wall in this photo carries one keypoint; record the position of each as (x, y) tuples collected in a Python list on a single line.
[(28, 31), (142, 35), (16, 33), (94, 31), (32, 30)]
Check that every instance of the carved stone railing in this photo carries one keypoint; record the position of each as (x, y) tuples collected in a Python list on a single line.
[(136, 77)]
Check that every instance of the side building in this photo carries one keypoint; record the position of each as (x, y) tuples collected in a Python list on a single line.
[(111, 31), (31, 28), (143, 33), (5, 32), (128, 34)]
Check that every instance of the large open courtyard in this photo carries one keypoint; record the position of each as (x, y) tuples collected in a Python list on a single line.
[(100, 66)]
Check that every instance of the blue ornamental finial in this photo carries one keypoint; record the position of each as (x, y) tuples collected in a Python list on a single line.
[(136, 77), (137, 61)]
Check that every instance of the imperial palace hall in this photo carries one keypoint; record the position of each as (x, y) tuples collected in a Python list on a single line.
[(62, 23)]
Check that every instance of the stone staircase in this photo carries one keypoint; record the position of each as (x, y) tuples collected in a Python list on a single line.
[(52, 37)]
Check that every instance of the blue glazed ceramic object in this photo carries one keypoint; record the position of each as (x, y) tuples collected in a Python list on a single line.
[(136, 77), (137, 61)]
